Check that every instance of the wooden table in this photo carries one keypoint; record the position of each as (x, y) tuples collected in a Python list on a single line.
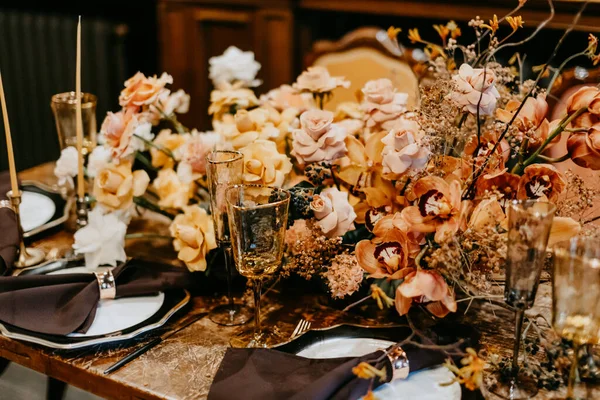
[(183, 366)]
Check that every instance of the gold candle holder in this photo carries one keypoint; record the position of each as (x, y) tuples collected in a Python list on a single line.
[(28, 256), (82, 211)]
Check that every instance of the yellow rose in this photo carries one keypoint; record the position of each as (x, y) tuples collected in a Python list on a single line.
[(115, 185), (173, 193), (226, 96), (263, 164), (169, 141), (194, 236)]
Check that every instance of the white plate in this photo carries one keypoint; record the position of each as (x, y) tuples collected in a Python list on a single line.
[(118, 314), (36, 209), (421, 385)]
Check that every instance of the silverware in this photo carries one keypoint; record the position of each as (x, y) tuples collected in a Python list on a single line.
[(157, 340), (303, 326)]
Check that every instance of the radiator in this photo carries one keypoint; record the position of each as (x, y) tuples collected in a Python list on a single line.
[(37, 60)]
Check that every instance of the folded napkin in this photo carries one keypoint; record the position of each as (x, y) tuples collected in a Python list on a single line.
[(9, 240), (66, 303), (270, 374)]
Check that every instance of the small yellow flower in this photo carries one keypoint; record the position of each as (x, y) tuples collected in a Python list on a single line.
[(494, 24), (522, 3), (515, 22), (471, 374), (538, 68), (413, 35), (443, 31), (364, 370), (454, 29), (382, 299), (393, 32), (370, 396)]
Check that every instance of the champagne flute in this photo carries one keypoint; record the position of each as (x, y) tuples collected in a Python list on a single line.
[(257, 221), (576, 297), (225, 168), (529, 223)]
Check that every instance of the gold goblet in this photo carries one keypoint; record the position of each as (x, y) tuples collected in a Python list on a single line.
[(257, 221), (576, 297)]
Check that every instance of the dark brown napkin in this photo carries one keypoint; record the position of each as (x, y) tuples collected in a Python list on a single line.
[(270, 374), (62, 304), (9, 239)]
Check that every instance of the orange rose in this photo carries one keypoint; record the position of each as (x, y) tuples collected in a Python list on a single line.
[(541, 181), (587, 96), (142, 91), (584, 147)]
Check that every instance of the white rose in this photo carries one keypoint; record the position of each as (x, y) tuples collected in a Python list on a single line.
[(472, 90), (234, 65), (102, 240), (66, 166), (98, 160), (334, 212)]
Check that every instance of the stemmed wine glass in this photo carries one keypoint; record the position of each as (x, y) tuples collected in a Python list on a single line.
[(529, 223), (576, 296), (225, 168), (257, 219)]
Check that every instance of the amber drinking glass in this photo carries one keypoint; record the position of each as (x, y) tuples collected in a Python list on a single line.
[(225, 168), (529, 224), (257, 221), (64, 106), (576, 297)]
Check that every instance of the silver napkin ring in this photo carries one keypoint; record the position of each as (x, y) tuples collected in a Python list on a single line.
[(399, 361), (106, 284)]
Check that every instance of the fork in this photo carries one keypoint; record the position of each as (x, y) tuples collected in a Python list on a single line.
[(303, 326)]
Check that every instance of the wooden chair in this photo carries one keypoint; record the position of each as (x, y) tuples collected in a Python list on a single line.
[(362, 55)]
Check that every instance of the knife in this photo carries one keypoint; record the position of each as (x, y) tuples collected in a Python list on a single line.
[(157, 340)]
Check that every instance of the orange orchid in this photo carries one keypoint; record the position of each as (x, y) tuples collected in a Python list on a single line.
[(385, 256), (500, 183), (541, 181), (532, 117), (439, 207), (427, 287)]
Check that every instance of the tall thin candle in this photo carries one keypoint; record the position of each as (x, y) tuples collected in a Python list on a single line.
[(14, 185), (78, 118)]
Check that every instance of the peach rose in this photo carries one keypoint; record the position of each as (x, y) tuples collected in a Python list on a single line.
[(317, 80), (586, 97), (427, 287), (381, 105), (439, 208), (541, 181), (172, 192), (228, 96), (263, 164), (169, 142), (193, 237), (584, 147), (334, 213), (142, 91), (318, 139), (115, 185), (192, 155), (285, 97), (403, 149), (471, 87), (119, 131), (249, 126), (531, 118)]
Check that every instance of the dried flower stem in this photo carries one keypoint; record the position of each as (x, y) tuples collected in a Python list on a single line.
[(469, 190), (156, 146), (560, 68)]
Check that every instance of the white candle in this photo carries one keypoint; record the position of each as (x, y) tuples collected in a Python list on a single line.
[(9, 147), (78, 118)]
